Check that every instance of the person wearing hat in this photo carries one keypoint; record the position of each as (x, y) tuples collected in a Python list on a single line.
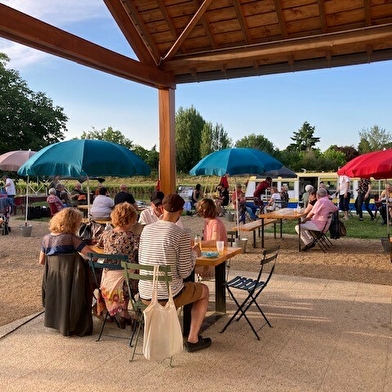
[(155, 210), (163, 242)]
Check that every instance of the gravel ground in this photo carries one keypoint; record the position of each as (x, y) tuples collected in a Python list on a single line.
[(349, 259)]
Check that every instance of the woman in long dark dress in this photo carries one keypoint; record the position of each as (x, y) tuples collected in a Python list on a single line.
[(66, 288)]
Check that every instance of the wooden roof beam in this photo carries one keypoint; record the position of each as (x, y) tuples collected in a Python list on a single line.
[(255, 51), (323, 19), (368, 18), (124, 22), (141, 31), (242, 21), (282, 22), (19, 27), (192, 23)]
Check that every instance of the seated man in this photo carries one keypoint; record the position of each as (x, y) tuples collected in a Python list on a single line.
[(163, 242), (78, 196), (316, 218)]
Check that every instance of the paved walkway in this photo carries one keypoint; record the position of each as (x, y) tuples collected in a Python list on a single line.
[(326, 336)]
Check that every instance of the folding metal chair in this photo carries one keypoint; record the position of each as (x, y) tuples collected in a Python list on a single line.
[(253, 287), (141, 272), (96, 268), (320, 237)]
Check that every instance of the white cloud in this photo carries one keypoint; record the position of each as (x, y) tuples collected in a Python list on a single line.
[(55, 12), (58, 12)]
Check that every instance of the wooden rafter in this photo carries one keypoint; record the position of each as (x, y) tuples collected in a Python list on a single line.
[(142, 30), (368, 17), (121, 16), (323, 20), (242, 22), (279, 14), (29, 31), (192, 23)]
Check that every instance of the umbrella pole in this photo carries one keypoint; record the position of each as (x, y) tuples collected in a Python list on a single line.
[(88, 196), (27, 200), (236, 207)]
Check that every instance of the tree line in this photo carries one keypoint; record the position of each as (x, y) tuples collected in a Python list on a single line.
[(29, 119)]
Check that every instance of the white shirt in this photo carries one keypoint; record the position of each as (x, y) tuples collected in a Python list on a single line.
[(10, 187), (148, 216), (344, 185), (102, 206)]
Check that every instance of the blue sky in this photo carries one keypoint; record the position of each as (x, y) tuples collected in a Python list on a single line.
[(339, 102)]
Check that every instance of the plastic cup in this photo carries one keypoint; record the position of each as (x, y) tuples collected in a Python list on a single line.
[(220, 246)]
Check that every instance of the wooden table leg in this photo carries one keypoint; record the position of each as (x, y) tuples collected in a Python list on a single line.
[(220, 288)]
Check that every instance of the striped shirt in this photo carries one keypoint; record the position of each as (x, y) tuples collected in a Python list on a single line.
[(165, 243)]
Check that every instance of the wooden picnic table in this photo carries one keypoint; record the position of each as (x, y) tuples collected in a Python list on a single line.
[(281, 214)]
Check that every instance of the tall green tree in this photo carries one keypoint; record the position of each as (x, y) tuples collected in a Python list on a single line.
[(28, 119), (213, 138), (109, 135), (189, 126), (256, 141), (374, 139), (304, 139)]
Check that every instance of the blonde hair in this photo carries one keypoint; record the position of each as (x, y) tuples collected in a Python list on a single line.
[(207, 208), (123, 214), (67, 220)]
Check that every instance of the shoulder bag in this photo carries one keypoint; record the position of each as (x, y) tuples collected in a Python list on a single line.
[(162, 330), (342, 229)]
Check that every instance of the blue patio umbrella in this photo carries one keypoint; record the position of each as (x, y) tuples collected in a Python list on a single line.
[(84, 158), (236, 161)]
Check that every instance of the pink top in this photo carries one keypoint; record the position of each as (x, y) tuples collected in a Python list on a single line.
[(53, 199), (322, 208), (214, 229)]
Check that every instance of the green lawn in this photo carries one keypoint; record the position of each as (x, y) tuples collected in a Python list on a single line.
[(355, 229)]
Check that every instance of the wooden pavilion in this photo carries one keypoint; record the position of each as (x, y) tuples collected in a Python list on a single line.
[(187, 41)]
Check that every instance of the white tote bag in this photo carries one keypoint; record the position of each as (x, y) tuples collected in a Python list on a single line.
[(162, 329)]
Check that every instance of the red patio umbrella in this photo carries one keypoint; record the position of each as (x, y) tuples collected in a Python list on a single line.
[(376, 164)]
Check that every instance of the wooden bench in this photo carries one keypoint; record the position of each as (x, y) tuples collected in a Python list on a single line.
[(256, 225)]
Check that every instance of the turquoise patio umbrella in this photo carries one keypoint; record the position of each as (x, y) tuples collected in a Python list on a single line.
[(236, 161), (84, 158)]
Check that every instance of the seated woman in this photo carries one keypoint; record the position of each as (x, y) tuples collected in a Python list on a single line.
[(197, 194), (214, 230), (222, 199), (275, 201), (102, 205), (311, 201), (54, 202), (66, 291), (120, 240)]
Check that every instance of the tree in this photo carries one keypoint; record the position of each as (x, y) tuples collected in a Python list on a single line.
[(110, 136), (349, 152), (304, 139), (213, 139), (374, 139), (256, 141), (28, 119), (189, 126)]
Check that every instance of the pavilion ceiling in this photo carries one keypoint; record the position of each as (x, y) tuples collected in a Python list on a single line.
[(185, 41), (214, 39)]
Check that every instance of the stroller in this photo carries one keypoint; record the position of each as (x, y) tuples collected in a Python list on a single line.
[(5, 212)]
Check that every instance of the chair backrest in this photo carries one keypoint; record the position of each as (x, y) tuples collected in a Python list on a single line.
[(145, 272), (53, 209), (95, 265), (327, 223), (269, 257)]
